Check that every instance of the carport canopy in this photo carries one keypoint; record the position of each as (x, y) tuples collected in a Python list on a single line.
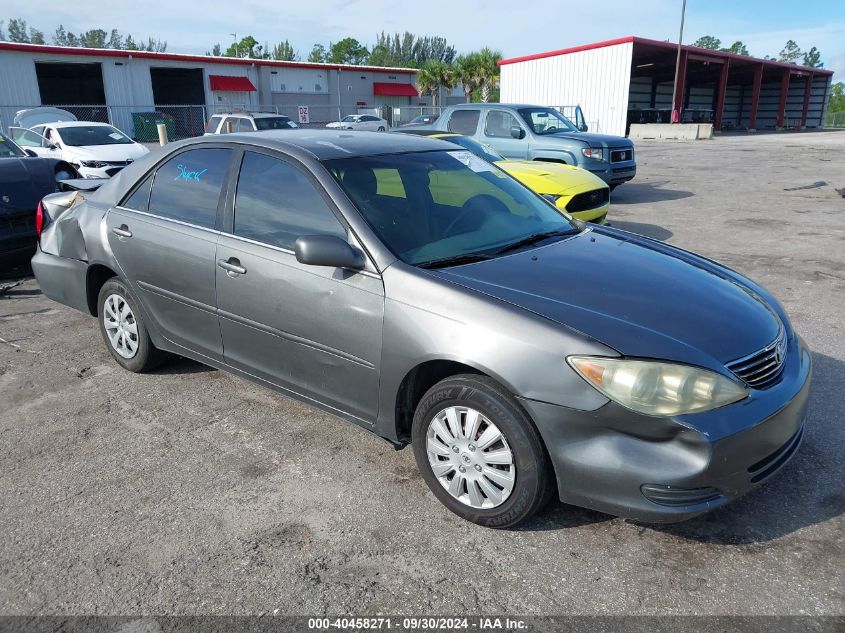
[(387, 89), (231, 84)]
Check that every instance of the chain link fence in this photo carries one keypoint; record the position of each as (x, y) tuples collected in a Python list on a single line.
[(834, 120)]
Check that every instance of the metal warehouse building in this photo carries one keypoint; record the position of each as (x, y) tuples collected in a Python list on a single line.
[(629, 80), (110, 85)]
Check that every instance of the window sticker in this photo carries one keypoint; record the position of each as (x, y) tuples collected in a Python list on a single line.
[(472, 161), (189, 176)]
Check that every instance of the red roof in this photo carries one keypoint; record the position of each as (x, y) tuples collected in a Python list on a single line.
[(179, 57), (394, 90), (230, 83), (797, 68)]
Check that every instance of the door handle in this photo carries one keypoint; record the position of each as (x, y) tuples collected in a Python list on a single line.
[(122, 231), (232, 265)]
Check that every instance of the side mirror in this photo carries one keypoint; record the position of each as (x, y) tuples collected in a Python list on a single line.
[(583, 127), (52, 146), (327, 250), (517, 132), (30, 152)]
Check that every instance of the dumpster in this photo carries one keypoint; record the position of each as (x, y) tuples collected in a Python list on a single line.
[(145, 124)]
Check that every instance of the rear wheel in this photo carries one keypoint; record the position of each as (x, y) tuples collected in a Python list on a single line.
[(381, 128), (123, 329), (479, 453)]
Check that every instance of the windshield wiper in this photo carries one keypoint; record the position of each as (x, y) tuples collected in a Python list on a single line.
[(533, 239), (455, 260)]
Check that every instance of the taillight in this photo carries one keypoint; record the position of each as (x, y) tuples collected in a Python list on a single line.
[(39, 220)]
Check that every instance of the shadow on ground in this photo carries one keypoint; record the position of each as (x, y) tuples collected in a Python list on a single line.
[(648, 230), (806, 492), (636, 192)]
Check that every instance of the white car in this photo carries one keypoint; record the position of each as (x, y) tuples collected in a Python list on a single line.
[(247, 122), (361, 122), (97, 150)]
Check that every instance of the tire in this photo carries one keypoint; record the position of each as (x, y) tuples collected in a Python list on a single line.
[(134, 350), (381, 128), (490, 504)]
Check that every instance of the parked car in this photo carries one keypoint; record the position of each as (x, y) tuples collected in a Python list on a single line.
[(248, 122), (519, 352), (366, 122), (423, 119), (529, 132), (571, 189), (24, 180), (96, 150)]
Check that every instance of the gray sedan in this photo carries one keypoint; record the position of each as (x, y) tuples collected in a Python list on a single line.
[(416, 290)]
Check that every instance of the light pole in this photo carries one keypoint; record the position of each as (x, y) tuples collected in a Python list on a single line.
[(235, 42), (677, 107)]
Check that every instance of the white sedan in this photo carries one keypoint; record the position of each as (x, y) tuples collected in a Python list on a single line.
[(97, 150), (361, 122)]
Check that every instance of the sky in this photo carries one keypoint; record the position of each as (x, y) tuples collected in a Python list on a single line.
[(512, 27)]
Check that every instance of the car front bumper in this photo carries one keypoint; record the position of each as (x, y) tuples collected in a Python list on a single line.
[(663, 470), (614, 173)]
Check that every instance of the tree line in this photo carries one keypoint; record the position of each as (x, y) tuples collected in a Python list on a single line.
[(438, 63), (19, 31), (791, 53)]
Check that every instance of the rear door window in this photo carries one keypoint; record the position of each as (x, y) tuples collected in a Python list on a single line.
[(464, 122), (187, 187), (499, 124), (140, 198)]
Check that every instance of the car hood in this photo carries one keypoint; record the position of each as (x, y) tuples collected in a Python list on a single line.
[(551, 178), (643, 298), (111, 153), (24, 181), (594, 140)]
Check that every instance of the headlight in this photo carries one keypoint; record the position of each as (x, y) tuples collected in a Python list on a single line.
[(596, 153), (655, 388), (92, 163)]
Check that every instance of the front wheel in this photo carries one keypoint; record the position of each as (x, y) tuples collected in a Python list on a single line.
[(479, 452)]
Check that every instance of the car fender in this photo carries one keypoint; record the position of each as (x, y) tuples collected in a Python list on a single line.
[(430, 318), (554, 155)]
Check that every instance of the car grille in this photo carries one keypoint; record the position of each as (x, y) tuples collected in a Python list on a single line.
[(771, 464), (763, 368), (588, 200), (618, 155)]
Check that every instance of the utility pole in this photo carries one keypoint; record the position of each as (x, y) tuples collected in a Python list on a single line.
[(677, 115), (235, 42)]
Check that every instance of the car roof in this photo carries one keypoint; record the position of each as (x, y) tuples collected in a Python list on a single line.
[(461, 106), (58, 124), (254, 115), (327, 144)]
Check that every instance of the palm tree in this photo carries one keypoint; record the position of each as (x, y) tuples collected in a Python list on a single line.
[(428, 80), (467, 73), (488, 71)]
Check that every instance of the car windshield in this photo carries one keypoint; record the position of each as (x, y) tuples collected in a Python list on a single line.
[(479, 149), (80, 135), (446, 207), (272, 123), (352, 118), (546, 121), (8, 148)]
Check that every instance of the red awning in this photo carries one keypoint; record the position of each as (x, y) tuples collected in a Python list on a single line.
[(231, 84), (394, 90)]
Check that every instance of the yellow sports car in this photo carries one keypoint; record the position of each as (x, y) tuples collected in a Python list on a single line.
[(571, 189)]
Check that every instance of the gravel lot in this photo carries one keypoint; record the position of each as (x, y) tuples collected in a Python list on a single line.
[(188, 491)]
